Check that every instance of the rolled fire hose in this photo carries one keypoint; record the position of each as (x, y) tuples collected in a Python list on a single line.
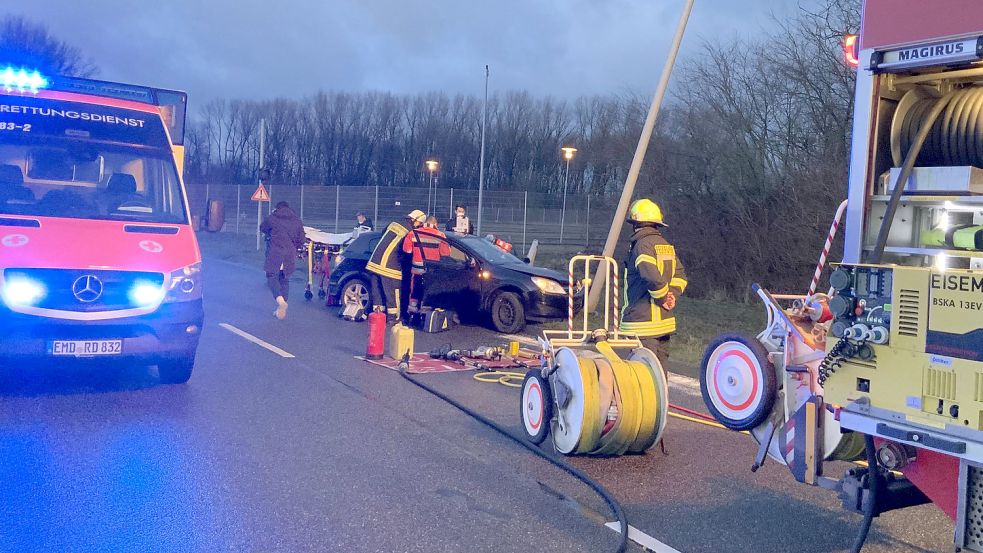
[(608, 406), (925, 125)]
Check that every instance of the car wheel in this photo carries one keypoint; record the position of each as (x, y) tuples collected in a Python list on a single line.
[(507, 314), (176, 371), (356, 292)]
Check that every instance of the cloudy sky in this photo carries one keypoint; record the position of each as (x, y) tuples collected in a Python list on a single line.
[(254, 49)]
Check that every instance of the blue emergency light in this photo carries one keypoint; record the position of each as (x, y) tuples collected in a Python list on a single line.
[(22, 80)]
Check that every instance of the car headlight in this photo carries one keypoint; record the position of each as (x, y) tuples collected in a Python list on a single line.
[(548, 285), (22, 291), (186, 284)]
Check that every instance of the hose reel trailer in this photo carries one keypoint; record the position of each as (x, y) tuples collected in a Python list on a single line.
[(587, 397)]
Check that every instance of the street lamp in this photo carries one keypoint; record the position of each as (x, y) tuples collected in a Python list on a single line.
[(568, 152), (432, 166)]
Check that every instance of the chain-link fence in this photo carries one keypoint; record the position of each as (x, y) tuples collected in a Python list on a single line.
[(517, 217)]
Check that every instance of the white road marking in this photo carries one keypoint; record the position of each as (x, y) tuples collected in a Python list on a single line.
[(255, 340), (643, 539)]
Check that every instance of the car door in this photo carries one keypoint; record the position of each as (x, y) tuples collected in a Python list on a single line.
[(448, 281)]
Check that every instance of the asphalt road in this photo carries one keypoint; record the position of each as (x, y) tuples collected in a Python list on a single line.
[(324, 452)]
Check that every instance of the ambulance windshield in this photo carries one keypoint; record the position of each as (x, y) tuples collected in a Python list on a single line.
[(62, 159)]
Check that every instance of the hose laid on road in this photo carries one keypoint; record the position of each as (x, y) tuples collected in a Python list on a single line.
[(870, 509), (505, 378), (576, 473)]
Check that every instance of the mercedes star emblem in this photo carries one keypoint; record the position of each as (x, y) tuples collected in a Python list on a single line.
[(87, 288)]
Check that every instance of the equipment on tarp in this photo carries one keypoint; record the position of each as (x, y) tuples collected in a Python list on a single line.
[(590, 399), (400, 341)]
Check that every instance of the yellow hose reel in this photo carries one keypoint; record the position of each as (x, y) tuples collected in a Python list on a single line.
[(595, 403), (592, 401)]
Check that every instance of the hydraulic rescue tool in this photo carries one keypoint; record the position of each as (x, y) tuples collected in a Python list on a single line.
[(590, 399), (888, 365)]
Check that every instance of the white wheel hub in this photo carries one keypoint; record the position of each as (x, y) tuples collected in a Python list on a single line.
[(735, 380)]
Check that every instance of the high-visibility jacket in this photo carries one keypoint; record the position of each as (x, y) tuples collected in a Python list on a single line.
[(385, 260), (652, 270), (425, 244)]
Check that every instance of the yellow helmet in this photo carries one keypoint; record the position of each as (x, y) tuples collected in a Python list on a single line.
[(645, 211)]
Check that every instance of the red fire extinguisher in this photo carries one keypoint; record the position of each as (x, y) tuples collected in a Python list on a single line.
[(377, 334)]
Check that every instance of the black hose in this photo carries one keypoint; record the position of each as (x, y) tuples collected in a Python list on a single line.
[(615, 507), (909, 163), (870, 509)]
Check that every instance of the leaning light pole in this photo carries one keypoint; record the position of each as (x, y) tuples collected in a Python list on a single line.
[(481, 161), (636, 163)]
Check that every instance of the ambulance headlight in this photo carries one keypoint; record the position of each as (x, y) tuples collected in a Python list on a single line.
[(548, 285), (146, 294), (22, 291), (185, 284)]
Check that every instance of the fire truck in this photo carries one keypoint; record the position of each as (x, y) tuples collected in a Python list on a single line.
[(98, 260), (884, 368)]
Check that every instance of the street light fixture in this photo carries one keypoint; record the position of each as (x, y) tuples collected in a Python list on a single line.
[(432, 166), (568, 152)]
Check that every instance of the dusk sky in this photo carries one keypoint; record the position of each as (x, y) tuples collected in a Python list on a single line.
[(252, 49)]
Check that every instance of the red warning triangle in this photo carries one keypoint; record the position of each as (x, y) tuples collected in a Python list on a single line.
[(261, 195)]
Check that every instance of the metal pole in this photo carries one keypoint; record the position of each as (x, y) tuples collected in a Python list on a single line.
[(525, 209), (375, 212), (636, 163), (452, 205), (481, 162), (262, 162), (435, 202), (563, 213), (429, 188), (337, 205), (302, 202), (587, 226), (238, 212)]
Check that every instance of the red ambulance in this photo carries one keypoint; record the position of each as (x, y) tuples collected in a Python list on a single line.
[(98, 258)]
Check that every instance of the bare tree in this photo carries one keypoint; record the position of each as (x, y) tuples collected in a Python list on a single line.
[(27, 43)]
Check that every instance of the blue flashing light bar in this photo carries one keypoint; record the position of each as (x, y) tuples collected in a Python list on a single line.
[(173, 102), (22, 80)]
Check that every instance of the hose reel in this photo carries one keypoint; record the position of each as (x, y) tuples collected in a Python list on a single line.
[(592, 401), (600, 404), (956, 138)]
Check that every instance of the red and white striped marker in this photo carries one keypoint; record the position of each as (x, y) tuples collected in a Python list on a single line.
[(570, 300), (829, 243), (617, 312)]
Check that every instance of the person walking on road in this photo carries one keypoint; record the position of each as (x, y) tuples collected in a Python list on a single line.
[(654, 280), (286, 232), (388, 264)]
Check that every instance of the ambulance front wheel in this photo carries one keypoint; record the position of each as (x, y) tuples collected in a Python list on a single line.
[(536, 409), (308, 295), (176, 371), (738, 383)]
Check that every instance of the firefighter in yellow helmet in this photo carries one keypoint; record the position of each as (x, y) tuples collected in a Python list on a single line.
[(389, 265), (654, 279)]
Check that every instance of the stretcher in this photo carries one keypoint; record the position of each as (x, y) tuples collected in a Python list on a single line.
[(319, 248)]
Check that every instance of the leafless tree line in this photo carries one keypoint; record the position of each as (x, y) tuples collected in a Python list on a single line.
[(749, 160)]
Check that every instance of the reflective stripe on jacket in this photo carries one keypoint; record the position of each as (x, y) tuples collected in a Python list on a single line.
[(385, 260), (652, 270), (426, 244)]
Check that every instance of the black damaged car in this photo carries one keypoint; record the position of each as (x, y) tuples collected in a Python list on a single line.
[(478, 280)]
